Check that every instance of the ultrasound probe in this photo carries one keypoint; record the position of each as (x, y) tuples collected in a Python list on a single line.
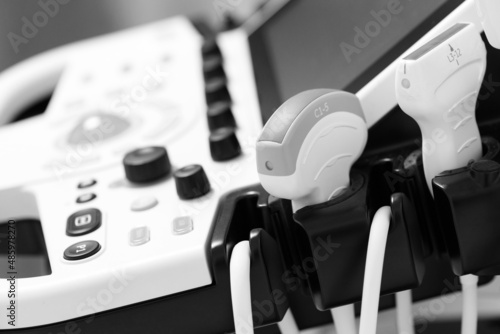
[(437, 85)]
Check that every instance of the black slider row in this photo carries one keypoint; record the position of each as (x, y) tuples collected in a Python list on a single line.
[(223, 142)]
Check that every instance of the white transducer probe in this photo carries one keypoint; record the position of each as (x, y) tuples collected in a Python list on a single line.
[(437, 85)]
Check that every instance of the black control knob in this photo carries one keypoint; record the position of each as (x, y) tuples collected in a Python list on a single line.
[(219, 115), (485, 172), (210, 47), (191, 182), (146, 164), (216, 90), (213, 68), (224, 145)]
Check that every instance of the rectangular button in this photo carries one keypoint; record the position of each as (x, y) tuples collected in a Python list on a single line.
[(83, 222), (182, 225), (139, 236)]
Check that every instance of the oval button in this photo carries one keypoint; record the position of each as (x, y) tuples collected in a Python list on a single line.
[(81, 250), (143, 203)]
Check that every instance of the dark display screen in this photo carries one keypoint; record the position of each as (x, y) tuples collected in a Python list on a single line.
[(22, 249), (338, 44)]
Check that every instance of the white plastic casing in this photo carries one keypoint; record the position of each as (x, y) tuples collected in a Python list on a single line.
[(41, 170), (325, 155), (438, 86), (489, 14), (37, 76)]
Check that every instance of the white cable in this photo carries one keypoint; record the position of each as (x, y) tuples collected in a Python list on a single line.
[(241, 298), (239, 271), (420, 82), (344, 319), (469, 304), (323, 143), (404, 312), (288, 324), (373, 270)]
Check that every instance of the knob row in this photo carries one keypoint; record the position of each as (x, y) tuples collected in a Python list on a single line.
[(224, 144), (150, 164)]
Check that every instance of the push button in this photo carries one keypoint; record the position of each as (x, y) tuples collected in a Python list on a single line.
[(81, 250), (83, 222), (143, 203), (97, 128), (182, 225), (85, 198), (86, 184), (139, 236)]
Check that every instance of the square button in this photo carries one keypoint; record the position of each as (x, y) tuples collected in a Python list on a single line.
[(139, 236), (182, 225), (83, 222)]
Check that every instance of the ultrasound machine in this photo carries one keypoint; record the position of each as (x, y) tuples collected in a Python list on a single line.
[(318, 161)]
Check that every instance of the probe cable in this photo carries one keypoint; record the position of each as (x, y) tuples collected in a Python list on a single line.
[(241, 299)]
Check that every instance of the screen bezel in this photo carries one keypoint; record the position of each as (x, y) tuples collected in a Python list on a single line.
[(267, 84)]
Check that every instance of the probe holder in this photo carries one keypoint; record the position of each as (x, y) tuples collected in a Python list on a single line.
[(335, 238), (467, 201)]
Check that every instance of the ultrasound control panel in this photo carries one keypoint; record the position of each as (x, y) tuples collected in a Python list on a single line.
[(125, 169)]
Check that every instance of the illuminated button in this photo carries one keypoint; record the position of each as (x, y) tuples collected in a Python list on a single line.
[(92, 123), (86, 183), (97, 128), (139, 236), (83, 222), (143, 203), (81, 250), (85, 198), (182, 225)]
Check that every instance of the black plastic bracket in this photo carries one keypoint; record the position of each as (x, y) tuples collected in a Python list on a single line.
[(336, 237), (269, 294), (467, 201)]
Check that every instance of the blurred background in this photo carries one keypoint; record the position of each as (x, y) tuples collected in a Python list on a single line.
[(80, 19)]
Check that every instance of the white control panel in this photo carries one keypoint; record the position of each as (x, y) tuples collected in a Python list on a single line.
[(112, 242)]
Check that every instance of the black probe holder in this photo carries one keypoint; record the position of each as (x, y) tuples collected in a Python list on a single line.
[(334, 239), (461, 222), (467, 201)]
